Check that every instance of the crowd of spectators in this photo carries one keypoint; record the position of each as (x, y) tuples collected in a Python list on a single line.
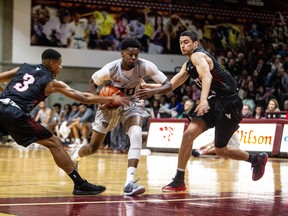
[(259, 65), (256, 56)]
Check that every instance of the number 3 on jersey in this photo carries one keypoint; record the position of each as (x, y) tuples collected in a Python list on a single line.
[(27, 80)]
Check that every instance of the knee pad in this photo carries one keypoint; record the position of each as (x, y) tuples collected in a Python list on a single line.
[(135, 135)]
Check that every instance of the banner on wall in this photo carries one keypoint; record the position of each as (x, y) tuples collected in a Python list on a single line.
[(252, 137), (284, 140), (165, 135), (102, 25)]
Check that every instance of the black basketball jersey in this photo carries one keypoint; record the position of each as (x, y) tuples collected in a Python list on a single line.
[(27, 88), (223, 84)]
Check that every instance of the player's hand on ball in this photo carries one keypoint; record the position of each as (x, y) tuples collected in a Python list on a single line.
[(119, 99)]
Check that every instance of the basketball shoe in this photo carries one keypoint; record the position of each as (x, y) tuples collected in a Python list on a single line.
[(131, 189), (174, 186), (88, 189), (259, 166), (75, 157)]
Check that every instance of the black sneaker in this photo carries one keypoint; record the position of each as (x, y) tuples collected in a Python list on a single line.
[(195, 153), (88, 189), (174, 186), (259, 166)]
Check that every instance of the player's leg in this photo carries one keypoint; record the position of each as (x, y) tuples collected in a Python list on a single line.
[(258, 161), (133, 126), (105, 120), (88, 149), (195, 128), (62, 159), (224, 130)]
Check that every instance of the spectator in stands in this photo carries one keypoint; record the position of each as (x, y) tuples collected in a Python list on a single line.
[(195, 92), (67, 111), (81, 125), (158, 39), (254, 32), (282, 84), (273, 106), (259, 112), (121, 29), (188, 105), (74, 112), (262, 68), (248, 101), (285, 106), (262, 96), (246, 111), (275, 67), (165, 111), (175, 106), (251, 91), (154, 108), (118, 139), (241, 63), (285, 62), (231, 67), (64, 130), (57, 117), (173, 27), (44, 114), (243, 79)]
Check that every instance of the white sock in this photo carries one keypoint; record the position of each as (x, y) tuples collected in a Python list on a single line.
[(130, 174), (75, 155), (85, 141)]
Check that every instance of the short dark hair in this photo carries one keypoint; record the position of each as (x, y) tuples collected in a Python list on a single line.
[(130, 42), (50, 54), (191, 34), (57, 105)]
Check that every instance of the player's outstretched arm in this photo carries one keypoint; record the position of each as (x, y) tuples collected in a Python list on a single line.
[(152, 89), (83, 97)]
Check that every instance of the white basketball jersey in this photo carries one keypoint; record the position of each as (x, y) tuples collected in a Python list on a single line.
[(128, 81)]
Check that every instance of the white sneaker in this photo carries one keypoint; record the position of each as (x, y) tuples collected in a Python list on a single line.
[(131, 189), (75, 157), (84, 142)]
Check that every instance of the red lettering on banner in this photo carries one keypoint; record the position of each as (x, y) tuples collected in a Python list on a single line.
[(248, 137)]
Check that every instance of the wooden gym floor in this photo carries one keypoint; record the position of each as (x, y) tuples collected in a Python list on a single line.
[(31, 184)]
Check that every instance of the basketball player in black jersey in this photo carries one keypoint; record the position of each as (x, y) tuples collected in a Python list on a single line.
[(30, 84), (219, 107)]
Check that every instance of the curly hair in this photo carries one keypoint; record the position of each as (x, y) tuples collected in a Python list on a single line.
[(130, 42)]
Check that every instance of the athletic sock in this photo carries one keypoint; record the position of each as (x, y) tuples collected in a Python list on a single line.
[(253, 158), (76, 178), (180, 174), (130, 174)]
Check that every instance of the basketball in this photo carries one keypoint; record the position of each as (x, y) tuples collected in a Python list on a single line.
[(109, 90)]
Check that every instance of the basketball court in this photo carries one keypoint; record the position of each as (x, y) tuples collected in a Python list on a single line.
[(31, 184)]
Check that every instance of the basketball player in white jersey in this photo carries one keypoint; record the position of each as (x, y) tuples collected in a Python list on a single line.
[(125, 73)]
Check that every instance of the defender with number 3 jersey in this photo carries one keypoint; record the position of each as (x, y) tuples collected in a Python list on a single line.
[(29, 85)]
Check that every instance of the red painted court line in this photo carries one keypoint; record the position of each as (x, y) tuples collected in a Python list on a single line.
[(162, 204)]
